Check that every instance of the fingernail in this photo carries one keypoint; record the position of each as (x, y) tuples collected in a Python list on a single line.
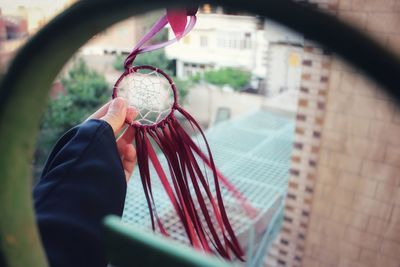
[(133, 109), (118, 103)]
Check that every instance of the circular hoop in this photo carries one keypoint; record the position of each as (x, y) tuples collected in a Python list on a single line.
[(135, 69), (53, 45)]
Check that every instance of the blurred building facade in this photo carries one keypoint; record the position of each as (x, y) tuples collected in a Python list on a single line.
[(37, 13), (118, 39), (123, 36), (283, 58), (270, 52), (13, 33), (20, 20), (343, 199), (218, 40)]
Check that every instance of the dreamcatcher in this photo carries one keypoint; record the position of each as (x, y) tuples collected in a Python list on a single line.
[(153, 93)]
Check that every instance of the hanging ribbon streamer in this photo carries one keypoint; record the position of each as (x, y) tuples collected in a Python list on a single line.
[(200, 209)]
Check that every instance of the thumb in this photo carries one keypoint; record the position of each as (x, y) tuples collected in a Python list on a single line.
[(116, 114)]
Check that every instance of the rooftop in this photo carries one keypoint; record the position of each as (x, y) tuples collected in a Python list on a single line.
[(253, 151)]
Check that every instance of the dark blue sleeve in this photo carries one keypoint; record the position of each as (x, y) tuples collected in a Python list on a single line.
[(82, 182)]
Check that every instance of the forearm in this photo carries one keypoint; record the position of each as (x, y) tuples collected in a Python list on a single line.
[(82, 182)]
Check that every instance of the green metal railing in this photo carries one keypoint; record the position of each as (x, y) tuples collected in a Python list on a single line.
[(24, 90)]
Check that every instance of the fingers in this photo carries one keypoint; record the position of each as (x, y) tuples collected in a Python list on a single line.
[(128, 160), (101, 112), (125, 139), (131, 114), (116, 114), (127, 151)]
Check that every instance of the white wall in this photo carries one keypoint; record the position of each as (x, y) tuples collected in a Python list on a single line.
[(203, 103), (284, 69), (219, 41)]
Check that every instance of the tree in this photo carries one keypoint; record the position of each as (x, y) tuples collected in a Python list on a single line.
[(235, 78), (85, 90), (183, 88)]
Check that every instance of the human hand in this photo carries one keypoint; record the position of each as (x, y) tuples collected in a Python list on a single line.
[(115, 113)]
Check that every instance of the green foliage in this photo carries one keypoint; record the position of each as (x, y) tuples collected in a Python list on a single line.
[(118, 63), (84, 92), (196, 78), (183, 88), (235, 78), (155, 58)]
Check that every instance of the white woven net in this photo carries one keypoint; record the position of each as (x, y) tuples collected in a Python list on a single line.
[(150, 93)]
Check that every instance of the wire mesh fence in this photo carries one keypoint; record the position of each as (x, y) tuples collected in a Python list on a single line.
[(253, 151)]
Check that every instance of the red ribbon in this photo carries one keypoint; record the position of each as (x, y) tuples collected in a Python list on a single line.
[(201, 211), (177, 18)]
